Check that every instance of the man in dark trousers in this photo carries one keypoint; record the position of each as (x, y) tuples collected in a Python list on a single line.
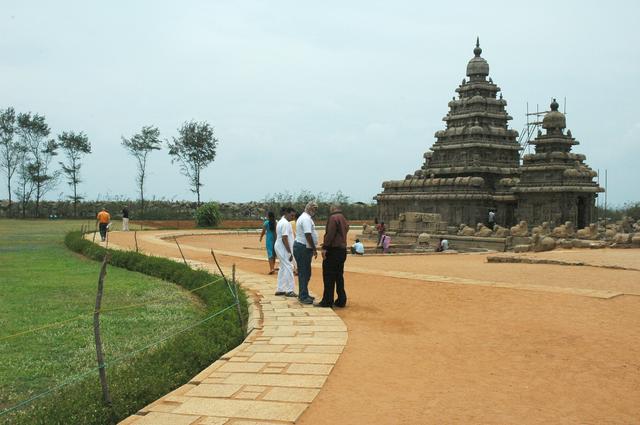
[(334, 254)]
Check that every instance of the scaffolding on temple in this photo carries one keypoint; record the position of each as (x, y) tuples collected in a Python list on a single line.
[(532, 127)]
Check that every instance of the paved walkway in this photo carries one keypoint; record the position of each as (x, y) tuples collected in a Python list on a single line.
[(269, 379)]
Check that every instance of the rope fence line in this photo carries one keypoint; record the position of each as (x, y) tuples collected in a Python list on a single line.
[(115, 361), (107, 310)]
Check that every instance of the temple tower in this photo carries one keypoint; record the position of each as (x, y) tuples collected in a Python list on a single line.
[(471, 166), (555, 184)]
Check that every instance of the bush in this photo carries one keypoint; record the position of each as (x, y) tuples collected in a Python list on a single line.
[(208, 215), (145, 376)]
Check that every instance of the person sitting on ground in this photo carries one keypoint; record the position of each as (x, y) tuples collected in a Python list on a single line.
[(357, 248), (443, 245)]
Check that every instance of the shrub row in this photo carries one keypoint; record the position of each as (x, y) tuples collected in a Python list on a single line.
[(151, 373)]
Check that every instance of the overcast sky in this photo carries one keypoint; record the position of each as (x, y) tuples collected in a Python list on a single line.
[(324, 96)]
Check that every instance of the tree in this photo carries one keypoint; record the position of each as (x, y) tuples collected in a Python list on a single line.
[(140, 146), (74, 146), (40, 151), (194, 149), (208, 215), (10, 148), (25, 186)]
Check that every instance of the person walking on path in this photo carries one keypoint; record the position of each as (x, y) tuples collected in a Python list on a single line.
[(125, 219), (103, 219), (284, 252), (304, 248), (269, 229), (334, 254)]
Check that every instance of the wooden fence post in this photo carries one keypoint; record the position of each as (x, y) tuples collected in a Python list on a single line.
[(235, 289), (135, 238), (180, 249), (96, 332)]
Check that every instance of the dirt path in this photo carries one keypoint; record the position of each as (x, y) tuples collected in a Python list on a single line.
[(425, 352)]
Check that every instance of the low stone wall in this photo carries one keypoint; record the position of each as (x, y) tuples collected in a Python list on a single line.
[(467, 243)]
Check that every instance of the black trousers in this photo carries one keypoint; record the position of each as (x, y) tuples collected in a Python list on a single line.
[(103, 230), (333, 276)]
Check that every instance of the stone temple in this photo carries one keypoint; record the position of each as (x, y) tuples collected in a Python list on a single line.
[(474, 166)]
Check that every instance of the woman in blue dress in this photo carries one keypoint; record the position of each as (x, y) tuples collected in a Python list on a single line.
[(269, 228)]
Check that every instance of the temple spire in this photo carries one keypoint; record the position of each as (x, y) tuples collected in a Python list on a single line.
[(477, 51)]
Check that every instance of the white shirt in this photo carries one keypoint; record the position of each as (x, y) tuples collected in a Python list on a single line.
[(492, 216), (358, 247), (284, 228), (304, 225), (444, 244)]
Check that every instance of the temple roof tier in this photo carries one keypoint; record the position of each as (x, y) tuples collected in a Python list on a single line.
[(463, 89), (476, 114), (454, 145), (450, 181), (557, 189), (472, 169), (434, 196)]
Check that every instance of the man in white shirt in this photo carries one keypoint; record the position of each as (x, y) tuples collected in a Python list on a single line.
[(284, 252), (304, 248), (492, 219), (357, 248)]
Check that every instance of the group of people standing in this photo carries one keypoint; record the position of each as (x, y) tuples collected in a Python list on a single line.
[(300, 250)]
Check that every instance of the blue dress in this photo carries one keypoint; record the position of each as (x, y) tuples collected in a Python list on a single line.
[(270, 241)]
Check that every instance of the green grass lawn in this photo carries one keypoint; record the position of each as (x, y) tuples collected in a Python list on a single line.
[(42, 282)]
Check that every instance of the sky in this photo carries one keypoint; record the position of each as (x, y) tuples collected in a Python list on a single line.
[(322, 96)]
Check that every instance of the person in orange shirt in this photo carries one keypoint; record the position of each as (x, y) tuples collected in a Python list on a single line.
[(103, 218)]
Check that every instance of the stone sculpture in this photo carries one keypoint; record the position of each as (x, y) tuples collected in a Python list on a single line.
[(521, 229), (542, 230), (483, 231), (500, 232), (543, 243), (465, 230), (566, 230), (590, 232)]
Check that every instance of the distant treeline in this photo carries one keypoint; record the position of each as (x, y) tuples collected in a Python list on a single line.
[(628, 209), (165, 209), (28, 153)]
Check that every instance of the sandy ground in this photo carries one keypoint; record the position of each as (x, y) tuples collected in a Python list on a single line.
[(428, 352)]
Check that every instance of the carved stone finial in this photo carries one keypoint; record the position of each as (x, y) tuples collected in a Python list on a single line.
[(477, 51), (554, 105), (569, 133)]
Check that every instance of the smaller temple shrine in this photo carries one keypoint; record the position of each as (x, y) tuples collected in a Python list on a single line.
[(555, 184)]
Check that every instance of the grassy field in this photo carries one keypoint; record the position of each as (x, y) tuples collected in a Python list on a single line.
[(42, 282)]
